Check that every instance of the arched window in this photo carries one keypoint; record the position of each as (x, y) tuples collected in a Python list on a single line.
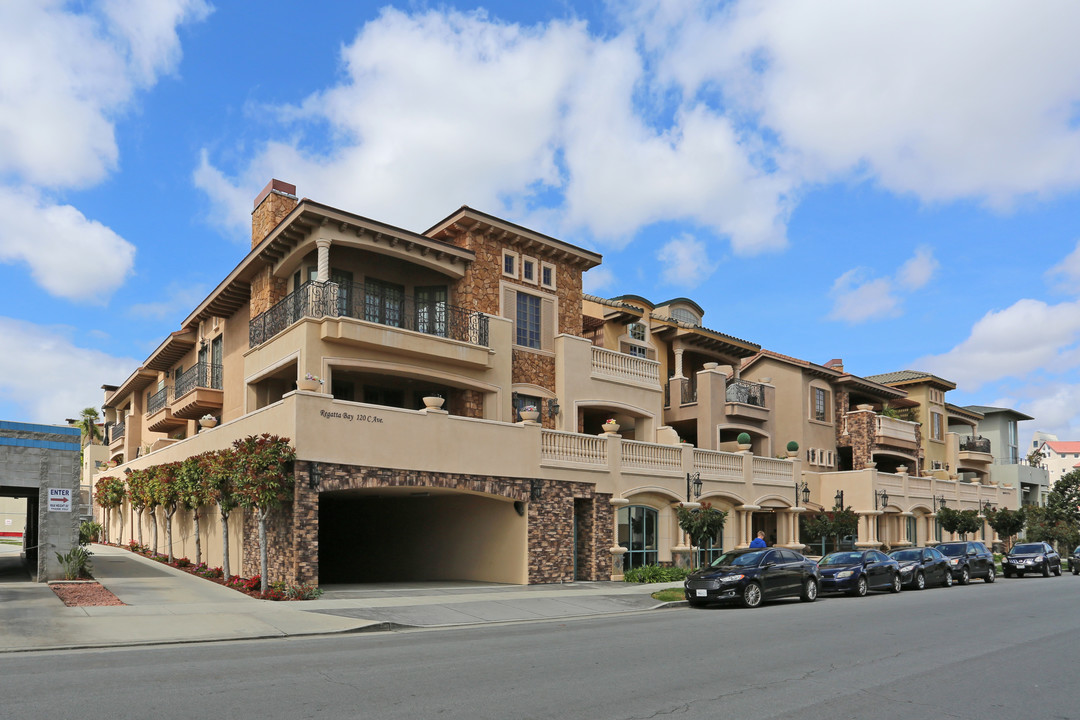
[(637, 533)]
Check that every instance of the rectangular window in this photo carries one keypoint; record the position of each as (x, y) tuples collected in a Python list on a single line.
[(547, 275), (431, 310), (935, 426), (820, 405), (510, 259), (528, 320), (637, 351), (636, 330), (528, 270), (384, 303)]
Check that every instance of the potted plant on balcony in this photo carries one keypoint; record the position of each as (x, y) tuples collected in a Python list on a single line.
[(529, 412), (208, 421), (743, 441), (309, 383), (792, 449), (610, 426), (434, 401)]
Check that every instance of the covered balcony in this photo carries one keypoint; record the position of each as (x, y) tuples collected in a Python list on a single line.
[(159, 414), (198, 391)]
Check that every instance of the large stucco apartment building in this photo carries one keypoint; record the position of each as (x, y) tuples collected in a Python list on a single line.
[(492, 317)]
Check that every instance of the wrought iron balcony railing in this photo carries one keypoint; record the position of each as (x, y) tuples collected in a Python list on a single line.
[(375, 303), (689, 392), (158, 400), (970, 443), (747, 393), (200, 375), (116, 432)]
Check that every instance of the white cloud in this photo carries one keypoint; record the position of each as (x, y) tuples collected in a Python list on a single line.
[(685, 262), (858, 297), (65, 77), (177, 303), (1024, 338), (597, 279), (1067, 272), (50, 378), (68, 255)]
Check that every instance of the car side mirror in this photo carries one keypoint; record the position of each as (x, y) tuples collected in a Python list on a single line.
[(765, 566), (972, 552)]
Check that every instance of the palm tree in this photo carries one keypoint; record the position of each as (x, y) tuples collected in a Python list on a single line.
[(88, 423)]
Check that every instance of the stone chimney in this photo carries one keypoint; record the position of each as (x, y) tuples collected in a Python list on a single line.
[(275, 201), (836, 364)]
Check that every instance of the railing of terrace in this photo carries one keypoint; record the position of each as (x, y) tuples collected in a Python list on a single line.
[(158, 400), (714, 462), (970, 443), (624, 366), (651, 456), (748, 393), (199, 375), (573, 447)]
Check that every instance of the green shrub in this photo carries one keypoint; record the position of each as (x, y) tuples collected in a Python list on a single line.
[(654, 574), (89, 531), (743, 438), (297, 591), (76, 563), (793, 446)]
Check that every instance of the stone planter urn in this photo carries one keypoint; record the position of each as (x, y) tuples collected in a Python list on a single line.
[(529, 415), (611, 427), (207, 423), (864, 407), (433, 402), (308, 385)]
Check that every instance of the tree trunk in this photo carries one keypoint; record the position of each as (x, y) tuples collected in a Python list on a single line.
[(120, 512), (140, 516), (225, 544), (262, 547), (168, 529), (105, 525), (153, 519), (198, 541)]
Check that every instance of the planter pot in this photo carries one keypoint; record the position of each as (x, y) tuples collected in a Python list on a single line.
[(864, 407), (433, 402), (530, 415), (793, 453), (611, 427), (308, 385), (212, 422), (745, 446)]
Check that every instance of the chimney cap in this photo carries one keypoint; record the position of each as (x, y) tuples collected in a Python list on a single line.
[(835, 363), (277, 186)]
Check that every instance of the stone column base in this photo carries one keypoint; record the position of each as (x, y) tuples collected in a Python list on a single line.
[(681, 556), (617, 554)]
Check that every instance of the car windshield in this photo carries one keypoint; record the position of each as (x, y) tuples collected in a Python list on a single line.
[(841, 558), (952, 550), (906, 555), (744, 559), (1027, 550)]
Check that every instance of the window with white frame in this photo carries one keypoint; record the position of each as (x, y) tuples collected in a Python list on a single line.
[(509, 263), (636, 331), (821, 404), (936, 431), (528, 320), (529, 270), (547, 275)]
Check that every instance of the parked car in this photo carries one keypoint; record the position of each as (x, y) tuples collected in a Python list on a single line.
[(922, 566), (969, 560), (858, 571), (1074, 562), (1031, 557), (751, 576)]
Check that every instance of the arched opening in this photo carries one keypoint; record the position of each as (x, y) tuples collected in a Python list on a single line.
[(638, 531)]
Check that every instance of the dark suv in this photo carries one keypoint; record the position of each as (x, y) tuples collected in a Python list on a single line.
[(1031, 557), (1074, 562), (969, 560)]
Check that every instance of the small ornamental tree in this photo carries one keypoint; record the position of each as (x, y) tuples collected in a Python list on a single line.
[(139, 488), (219, 470), (1047, 524), (109, 494), (194, 493), (702, 524), (264, 481), (1006, 523), (152, 502), (167, 491)]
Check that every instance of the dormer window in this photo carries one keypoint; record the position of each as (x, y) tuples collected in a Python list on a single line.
[(684, 315), (636, 331)]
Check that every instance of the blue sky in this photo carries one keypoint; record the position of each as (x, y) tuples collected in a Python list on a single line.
[(895, 184)]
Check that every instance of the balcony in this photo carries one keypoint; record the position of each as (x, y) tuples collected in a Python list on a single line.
[(974, 444), (351, 300), (198, 392), (611, 365), (895, 432), (159, 415), (745, 400)]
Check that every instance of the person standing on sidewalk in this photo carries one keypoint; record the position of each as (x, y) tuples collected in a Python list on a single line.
[(759, 541)]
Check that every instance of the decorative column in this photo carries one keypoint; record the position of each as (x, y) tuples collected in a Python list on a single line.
[(323, 244), (747, 529), (681, 554), (931, 536), (792, 533), (678, 363), (904, 539), (868, 521), (617, 551)]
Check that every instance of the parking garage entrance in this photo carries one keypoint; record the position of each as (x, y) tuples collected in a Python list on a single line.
[(415, 534)]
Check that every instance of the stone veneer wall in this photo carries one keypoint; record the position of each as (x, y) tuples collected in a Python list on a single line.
[(293, 529), (466, 403), (266, 291), (535, 369)]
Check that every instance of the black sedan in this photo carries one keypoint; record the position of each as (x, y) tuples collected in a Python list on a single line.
[(1031, 557), (969, 560), (753, 575), (920, 567), (1074, 562), (858, 571)]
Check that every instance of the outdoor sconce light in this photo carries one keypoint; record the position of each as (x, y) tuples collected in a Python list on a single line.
[(839, 500), (986, 506), (314, 476), (940, 500), (519, 507), (883, 496), (805, 493), (693, 483), (553, 407), (535, 490)]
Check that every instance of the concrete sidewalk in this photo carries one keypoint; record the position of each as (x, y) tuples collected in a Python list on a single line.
[(166, 605)]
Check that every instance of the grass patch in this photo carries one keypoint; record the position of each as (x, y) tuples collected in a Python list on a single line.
[(669, 595)]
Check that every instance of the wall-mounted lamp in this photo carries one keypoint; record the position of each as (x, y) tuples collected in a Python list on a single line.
[(519, 507), (986, 506), (553, 407), (883, 496), (804, 489), (940, 500), (693, 484), (314, 476), (536, 490), (839, 500)]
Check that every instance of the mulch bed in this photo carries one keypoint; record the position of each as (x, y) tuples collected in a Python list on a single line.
[(84, 594)]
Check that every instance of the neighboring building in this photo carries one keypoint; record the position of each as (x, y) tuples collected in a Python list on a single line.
[(1060, 457), (928, 392), (1000, 428), (338, 331), (1039, 437)]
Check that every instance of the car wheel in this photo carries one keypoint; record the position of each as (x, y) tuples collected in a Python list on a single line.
[(1046, 569), (860, 587), (895, 587), (1057, 571), (751, 595), (810, 590), (947, 582), (1076, 569), (991, 575), (965, 577), (920, 581)]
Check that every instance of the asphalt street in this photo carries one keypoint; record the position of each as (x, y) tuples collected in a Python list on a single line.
[(1006, 650)]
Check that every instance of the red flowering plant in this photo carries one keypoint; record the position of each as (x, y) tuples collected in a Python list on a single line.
[(264, 480)]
